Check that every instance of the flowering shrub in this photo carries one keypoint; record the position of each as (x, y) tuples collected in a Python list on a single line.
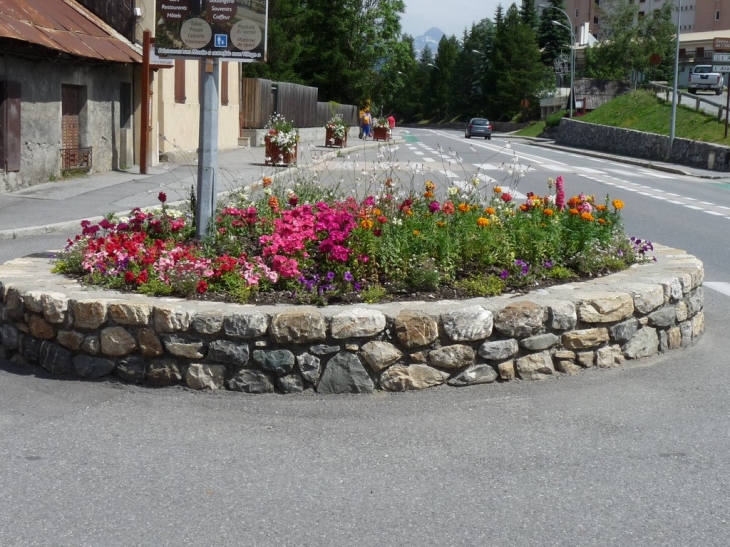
[(338, 127), (282, 133), (381, 123), (320, 248)]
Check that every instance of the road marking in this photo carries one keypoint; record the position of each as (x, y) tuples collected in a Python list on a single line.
[(589, 170), (645, 194), (718, 286), (418, 153), (428, 159), (714, 213), (675, 202), (671, 194), (694, 207)]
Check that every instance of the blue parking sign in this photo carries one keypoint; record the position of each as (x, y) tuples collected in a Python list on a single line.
[(221, 40)]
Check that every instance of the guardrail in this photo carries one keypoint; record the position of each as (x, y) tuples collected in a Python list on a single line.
[(659, 88)]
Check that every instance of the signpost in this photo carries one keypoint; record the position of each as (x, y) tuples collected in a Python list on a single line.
[(210, 30), (722, 44)]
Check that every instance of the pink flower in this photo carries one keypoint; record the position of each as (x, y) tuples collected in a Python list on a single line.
[(434, 206), (559, 193)]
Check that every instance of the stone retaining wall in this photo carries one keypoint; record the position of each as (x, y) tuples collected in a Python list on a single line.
[(639, 144), (68, 329)]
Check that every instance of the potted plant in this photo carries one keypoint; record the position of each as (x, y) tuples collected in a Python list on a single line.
[(281, 141), (336, 132), (381, 129)]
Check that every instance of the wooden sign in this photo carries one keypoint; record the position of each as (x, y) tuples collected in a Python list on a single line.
[(721, 44)]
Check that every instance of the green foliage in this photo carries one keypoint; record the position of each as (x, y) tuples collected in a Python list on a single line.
[(373, 294), (553, 120), (554, 39), (481, 285)]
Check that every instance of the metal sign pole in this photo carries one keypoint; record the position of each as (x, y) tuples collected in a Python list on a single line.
[(207, 147)]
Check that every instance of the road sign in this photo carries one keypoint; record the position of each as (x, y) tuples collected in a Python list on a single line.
[(721, 57), (221, 40), (721, 44), (721, 68)]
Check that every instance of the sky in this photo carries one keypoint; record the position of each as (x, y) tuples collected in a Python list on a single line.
[(451, 16)]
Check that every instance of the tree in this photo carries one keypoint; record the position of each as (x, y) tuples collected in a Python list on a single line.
[(627, 41), (442, 78), (517, 70), (472, 66), (553, 39), (528, 14)]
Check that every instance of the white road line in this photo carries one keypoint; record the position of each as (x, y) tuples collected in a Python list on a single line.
[(418, 153), (485, 166), (675, 202), (706, 203), (690, 199), (694, 207), (723, 207), (645, 194), (589, 170), (718, 286), (670, 194), (428, 159), (714, 213), (658, 197)]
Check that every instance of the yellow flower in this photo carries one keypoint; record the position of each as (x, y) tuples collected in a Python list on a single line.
[(617, 204), (366, 223), (430, 185), (482, 222)]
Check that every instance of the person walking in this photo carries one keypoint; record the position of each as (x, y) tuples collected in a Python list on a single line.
[(367, 122)]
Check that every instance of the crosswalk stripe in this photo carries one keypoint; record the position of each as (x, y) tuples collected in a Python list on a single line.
[(718, 286)]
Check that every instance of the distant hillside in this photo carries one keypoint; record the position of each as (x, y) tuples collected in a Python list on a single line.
[(430, 38)]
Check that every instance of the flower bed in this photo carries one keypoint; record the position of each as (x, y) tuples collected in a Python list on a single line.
[(318, 251)]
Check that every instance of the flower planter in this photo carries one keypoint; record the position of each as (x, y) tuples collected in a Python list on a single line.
[(331, 140), (381, 134), (275, 156)]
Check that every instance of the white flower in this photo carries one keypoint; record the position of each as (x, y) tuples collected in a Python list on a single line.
[(453, 190)]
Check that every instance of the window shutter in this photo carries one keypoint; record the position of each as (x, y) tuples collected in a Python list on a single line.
[(224, 83), (180, 80), (10, 125)]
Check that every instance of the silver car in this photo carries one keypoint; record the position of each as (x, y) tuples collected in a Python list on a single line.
[(478, 127)]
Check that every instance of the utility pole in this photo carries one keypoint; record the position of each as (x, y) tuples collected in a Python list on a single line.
[(207, 146)]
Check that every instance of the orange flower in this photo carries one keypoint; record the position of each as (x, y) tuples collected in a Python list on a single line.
[(464, 208), (274, 202), (587, 216), (409, 213), (266, 181), (376, 212), (416, 232), (601, 221), (617, 204), (440, 224), (482, 222), (601, 207), (490, 211), (524, 208), (366, 223), (389, 183), (574, 211), (448, 208), (497, 190), (548, 212), (428, 194)]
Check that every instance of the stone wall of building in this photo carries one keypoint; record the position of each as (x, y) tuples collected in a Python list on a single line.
[(639, 144), (68, 329)]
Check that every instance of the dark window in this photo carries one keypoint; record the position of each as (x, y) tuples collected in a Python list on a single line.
[(717, 15), (125, 105), (595, 20), (10, 126), (700, 52), (180, 80), (224, 83)]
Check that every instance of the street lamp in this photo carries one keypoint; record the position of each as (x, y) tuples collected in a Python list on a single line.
[(674, 85), (478, 52), (572, 58), (433, 65)]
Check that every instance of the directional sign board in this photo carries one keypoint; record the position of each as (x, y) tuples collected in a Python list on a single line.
[(721, 57), (232, 30), (721, 68)]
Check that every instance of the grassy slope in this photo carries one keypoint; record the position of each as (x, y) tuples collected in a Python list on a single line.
[(643, 111)]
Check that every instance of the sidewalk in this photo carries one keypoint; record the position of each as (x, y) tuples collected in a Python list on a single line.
[(59, 206)]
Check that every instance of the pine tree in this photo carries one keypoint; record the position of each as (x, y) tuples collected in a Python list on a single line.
[(528, 14), (554, 39)]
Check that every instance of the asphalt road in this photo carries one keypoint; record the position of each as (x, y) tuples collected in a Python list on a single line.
[(633, 456)]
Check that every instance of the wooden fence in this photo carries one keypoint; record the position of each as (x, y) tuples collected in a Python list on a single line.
[(261, 98)]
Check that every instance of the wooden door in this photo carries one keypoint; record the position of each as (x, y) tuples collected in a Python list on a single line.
[(70, 116)]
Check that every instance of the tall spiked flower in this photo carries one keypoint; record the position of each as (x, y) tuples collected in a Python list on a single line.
[(559, 193)]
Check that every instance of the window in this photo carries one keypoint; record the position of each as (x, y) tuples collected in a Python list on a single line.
[(700, 52), (595, 20), (576, 12), (10, 126), (224, 83), (125, 105), (641, 14), (180, 80), (717, 15)]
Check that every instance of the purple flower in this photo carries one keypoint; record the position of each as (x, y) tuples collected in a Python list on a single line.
[(548, 265), (504, 274), (348, 277), (357, 287), (434, 207), (329, 277)]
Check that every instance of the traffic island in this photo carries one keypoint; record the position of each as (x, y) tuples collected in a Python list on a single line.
[(73, 330)]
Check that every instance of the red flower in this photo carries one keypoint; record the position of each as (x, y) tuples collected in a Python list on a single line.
[(162, 196), (506, 197), (202, 286), (129, 277), (143, 277)]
